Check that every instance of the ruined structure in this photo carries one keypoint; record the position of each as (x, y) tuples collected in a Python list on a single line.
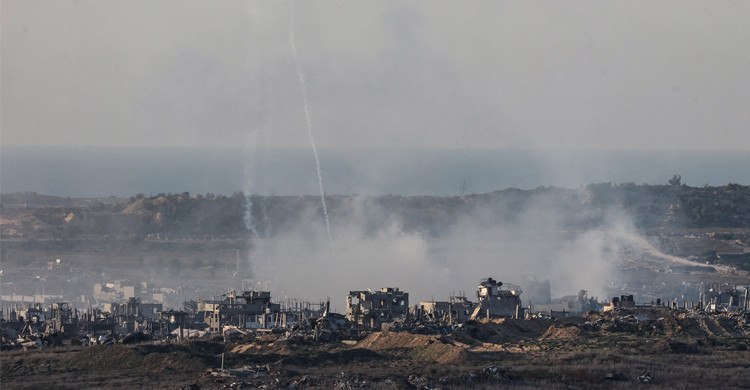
[(63, 319), (569, 305), (171, 321), (253, 312), (372, 309), (249, 309), (494, 301), (456, 310), (134, 315), (119, 291), (718, 299), (621, 302), (536, 292), (59, 322)]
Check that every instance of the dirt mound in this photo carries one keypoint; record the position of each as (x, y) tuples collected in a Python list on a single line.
[(387, 340), (423, 347), (592, 316), (564, 331), (505, 330), (444, 351), (264, 343)]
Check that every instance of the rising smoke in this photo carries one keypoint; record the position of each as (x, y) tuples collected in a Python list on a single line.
[(308, 121), (374, 248)]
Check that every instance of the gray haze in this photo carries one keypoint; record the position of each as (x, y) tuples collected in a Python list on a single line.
[(529, 75), (300, 261), (477, 74)]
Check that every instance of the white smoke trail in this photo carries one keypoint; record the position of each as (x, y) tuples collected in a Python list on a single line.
[(249, 220), (254, 106), (250, 152), (307, 118)]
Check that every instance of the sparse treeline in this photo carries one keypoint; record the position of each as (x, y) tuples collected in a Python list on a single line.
[(164, 216)]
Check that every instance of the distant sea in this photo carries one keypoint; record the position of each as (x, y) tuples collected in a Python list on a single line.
[(122, 172)]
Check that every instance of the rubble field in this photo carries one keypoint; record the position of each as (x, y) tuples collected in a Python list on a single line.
[(645, 346)]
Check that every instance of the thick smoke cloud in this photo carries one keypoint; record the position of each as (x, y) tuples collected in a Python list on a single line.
[(373, 248)]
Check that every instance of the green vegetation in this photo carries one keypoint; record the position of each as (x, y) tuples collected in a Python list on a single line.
[(675, 205)]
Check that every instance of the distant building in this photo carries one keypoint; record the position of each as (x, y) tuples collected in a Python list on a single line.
[(249, 309), (120, 291), (725, 299), (536, 292), (372, 308), (624, 301), (456, 310), (569, 305), (496, 301), (43, 299)]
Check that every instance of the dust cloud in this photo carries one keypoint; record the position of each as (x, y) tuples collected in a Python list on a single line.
[(374, 247)]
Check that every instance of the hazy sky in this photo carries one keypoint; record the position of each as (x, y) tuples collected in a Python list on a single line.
[(476, 74)]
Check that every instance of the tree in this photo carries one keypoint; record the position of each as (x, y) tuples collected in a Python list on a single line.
[(464, 187), (675, 181)]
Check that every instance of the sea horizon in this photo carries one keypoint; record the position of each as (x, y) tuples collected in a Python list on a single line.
[(150, 170)]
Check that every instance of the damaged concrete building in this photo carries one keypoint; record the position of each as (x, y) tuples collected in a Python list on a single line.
[(373, 308), (63, 319), (134, 315), (249, 309), (457, 309), (496, 301), (724, 298), (61, 323), (569, 305), (624, 301), (119, 291)]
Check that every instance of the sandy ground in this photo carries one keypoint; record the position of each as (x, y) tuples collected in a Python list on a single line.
[(641, 244)]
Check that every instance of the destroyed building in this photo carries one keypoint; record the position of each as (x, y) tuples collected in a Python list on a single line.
[(723, 298), (496, 301), (373, 308), (536, 292), (173, 320), (63, 319), (133, 315), (569, 305), (43, 299), (60, 322), (119, 291), (457, 309), (621, 302), (249, 309)]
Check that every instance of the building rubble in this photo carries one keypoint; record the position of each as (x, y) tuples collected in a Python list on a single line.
[(247, 314)]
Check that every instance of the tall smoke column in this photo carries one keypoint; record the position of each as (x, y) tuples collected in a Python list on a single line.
[(251, 141), (307, 118), (249, 184), (249, 220)]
